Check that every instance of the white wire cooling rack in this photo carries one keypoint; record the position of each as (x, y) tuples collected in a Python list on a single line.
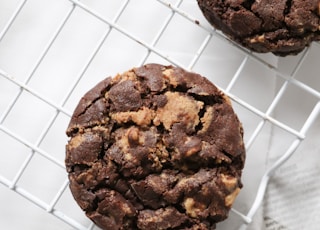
[(52, 52)]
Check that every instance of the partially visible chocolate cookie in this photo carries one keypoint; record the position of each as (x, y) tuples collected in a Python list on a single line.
[(279, 26), (156, 147)]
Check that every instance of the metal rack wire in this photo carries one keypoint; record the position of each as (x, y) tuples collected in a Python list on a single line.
[(16, 84)]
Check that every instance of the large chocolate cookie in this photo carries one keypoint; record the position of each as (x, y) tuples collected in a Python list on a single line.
[(280, 26), (156, 147)]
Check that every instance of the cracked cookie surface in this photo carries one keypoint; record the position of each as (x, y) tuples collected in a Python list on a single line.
[(156, 147), (283, 27)]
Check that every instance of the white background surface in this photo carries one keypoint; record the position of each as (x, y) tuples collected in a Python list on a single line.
[(53, 84)]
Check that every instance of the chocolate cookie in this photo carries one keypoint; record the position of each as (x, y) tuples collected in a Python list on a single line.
[(282, 27), (156, 147)]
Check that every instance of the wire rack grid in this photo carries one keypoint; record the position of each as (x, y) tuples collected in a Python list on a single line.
[(52, 52)]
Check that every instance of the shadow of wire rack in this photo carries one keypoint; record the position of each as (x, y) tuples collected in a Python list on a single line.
[(52, 52)]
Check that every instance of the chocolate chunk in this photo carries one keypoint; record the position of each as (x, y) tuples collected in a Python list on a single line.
[(152, 75), (124, 97), (278, 26), (167, 218), (91, 108), (156, 147)]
